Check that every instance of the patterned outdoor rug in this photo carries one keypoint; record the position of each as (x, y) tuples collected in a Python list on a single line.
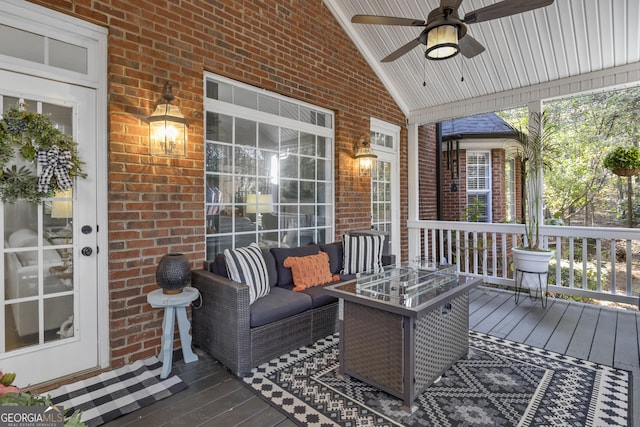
[(112, 394), (501, 383)]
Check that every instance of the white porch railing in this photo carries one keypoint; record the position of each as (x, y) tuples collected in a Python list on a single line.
[(591, 262)]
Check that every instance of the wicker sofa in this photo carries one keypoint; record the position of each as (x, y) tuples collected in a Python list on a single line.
[(242, 336)]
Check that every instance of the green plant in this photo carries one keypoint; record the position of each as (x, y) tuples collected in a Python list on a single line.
[(627, 157), (475, 211), (577, 271), (37, 141), (11, 395), (536, 144)]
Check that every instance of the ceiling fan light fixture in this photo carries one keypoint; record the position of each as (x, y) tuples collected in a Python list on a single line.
[(442, 42)]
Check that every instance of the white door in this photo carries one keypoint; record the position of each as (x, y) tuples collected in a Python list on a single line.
[(49, 262)]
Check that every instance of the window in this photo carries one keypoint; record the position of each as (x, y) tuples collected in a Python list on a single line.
[(269, 169), (478, 186), (510, 189)]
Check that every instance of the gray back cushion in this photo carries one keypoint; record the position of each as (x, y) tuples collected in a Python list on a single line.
[(336, 255), (280, 254)]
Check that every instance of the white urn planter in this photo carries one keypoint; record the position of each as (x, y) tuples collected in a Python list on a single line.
[(534, 266)]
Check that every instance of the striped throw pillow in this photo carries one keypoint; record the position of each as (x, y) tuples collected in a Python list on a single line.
[(246, 265), (362, 254)]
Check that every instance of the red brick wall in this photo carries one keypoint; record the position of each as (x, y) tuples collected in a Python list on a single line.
[(454, 203), (428, 209), (156, 206), (498, 186)]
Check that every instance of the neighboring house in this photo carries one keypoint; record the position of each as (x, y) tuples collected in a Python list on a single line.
[(480, 170)]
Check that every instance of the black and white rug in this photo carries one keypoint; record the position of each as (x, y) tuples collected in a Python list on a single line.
[(500, 383), (112, 394)]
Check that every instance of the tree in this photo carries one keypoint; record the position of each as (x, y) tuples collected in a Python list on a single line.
[(577, 185)]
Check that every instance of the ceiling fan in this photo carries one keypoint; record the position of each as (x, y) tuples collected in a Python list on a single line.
[(445, 34)]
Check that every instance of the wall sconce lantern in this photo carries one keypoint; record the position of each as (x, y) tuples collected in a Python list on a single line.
[(365, 158), (167, 128)]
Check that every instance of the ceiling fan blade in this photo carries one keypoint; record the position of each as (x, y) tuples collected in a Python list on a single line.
[(470, 47), (450, 4), (401, 51), (387, 20), (504, 8)]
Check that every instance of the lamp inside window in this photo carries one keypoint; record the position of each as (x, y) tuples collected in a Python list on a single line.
[(365, 158), (167, 128), (62, 208)]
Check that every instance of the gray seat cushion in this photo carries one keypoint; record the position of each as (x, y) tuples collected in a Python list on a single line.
[(318, 295), (277, 305)]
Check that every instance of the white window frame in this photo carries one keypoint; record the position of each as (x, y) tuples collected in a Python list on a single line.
[(488, 177), (253, 114)]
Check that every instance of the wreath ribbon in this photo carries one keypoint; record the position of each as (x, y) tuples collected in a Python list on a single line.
[(54, 162)]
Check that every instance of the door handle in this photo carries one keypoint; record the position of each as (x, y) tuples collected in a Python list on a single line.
[(86, 251)]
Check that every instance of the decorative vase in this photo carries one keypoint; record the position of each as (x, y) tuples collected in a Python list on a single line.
[(173, 273)]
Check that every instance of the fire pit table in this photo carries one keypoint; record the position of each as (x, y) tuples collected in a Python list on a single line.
[(402, 328)]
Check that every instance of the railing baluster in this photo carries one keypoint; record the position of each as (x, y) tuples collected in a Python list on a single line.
[(599, 265), (449, 250), (473, 250), (559, 260), (571, 258), (612, 281), (434, 245), (494, 254), (458, 253), (584, 263), (629, 255)]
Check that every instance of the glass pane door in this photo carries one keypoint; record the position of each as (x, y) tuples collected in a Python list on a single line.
[(385, 184), (38, 242), (381, 204)]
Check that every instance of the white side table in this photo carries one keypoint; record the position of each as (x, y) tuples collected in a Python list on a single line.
[(174, 306)]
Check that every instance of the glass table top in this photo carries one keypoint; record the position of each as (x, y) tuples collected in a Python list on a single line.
[(406, 286)]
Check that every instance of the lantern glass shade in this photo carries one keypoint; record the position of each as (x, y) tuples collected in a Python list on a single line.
[(442, 42), (167, 131), (365, 158)]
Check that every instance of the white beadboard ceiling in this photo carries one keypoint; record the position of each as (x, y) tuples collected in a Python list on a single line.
[(571, 46)]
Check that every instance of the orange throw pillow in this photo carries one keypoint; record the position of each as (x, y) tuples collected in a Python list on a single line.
[(309, 271)]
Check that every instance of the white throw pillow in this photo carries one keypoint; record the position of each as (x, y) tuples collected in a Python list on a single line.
[(246, 265), (362, 254), (23, 237)]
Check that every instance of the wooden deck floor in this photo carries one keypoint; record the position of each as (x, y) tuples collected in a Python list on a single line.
[(599, 334)]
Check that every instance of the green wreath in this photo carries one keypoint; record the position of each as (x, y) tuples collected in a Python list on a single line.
[(36, 139)]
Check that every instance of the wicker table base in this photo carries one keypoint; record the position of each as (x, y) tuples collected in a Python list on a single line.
[(399, 354)]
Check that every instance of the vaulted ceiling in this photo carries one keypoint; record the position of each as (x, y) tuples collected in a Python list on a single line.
[(569, 47)]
